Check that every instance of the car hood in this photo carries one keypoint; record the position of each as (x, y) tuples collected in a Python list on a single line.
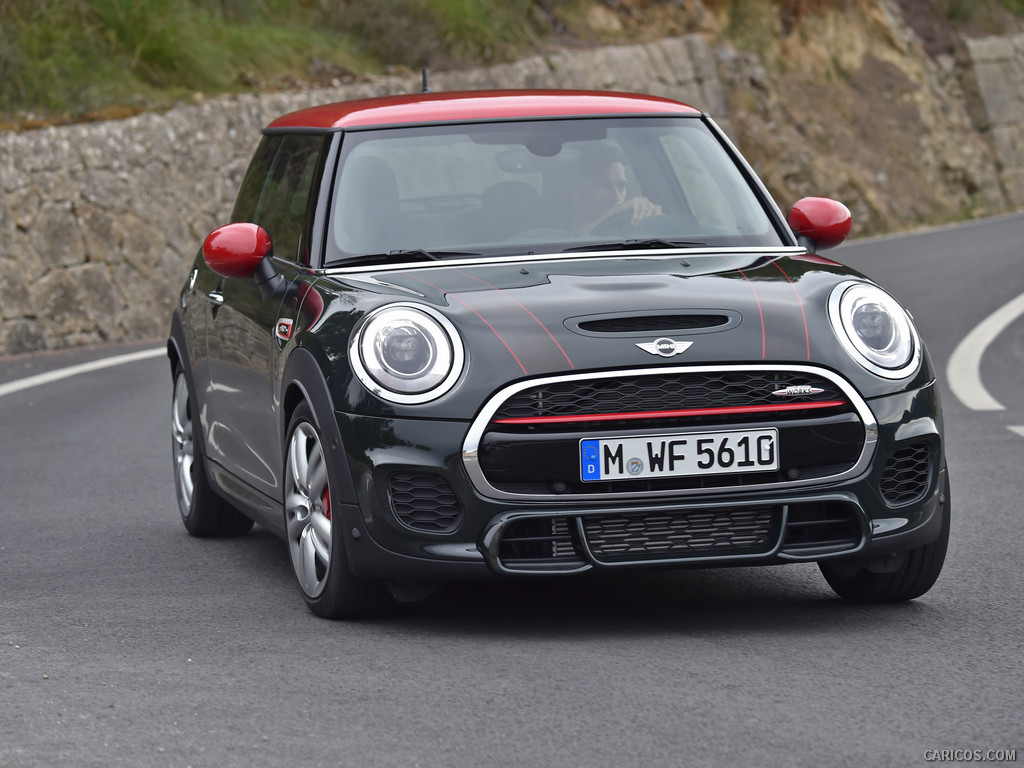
[(527, 319)]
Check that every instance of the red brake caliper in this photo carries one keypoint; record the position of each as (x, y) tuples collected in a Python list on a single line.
[(325, 499)]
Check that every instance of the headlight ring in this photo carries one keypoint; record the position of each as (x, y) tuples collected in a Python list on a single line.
[(407, 353), (874, 329)]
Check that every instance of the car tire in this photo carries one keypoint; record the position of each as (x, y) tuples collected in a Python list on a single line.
[(315, 546), (204, 513), (915, 575)]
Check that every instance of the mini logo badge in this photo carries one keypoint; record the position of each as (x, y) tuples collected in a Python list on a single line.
[(665, 347), (284, 329), (797, 390)]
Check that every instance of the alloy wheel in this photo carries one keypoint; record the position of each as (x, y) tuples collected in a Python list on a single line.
[(184, 451), (308, 509)]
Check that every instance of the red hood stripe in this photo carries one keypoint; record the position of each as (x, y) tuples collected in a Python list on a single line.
[(760, 312), (525, 309), (482, 319), (800, 302)]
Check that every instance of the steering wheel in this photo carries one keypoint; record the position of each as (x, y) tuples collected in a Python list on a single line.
[(620, 223)]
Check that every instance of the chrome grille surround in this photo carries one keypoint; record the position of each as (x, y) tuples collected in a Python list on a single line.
[(471, 446)]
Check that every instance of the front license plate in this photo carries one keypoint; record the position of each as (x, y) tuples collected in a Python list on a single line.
[(702, 453)]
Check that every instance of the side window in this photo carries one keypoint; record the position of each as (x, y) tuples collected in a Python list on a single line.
[(255, 176), (283, 205)]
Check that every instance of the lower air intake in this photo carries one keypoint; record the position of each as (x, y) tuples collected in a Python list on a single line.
[(545, 543), (667, 536)]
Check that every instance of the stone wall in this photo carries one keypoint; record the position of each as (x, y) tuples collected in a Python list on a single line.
[(994, 69), (100, 221)]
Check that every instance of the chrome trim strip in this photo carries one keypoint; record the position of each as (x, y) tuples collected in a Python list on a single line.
[(471, 445), (673, 253)]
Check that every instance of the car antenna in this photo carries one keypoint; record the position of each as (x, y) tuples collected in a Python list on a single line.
[(426, 88)]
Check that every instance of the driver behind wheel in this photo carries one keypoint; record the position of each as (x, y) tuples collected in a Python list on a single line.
[(599, 192)]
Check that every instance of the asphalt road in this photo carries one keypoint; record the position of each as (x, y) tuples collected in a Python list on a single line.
[(124, 642)]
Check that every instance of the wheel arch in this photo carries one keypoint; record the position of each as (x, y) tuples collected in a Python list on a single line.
[(177, 352), (304, 381)]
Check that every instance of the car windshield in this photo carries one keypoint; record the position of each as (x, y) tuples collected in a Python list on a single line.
[(540, 187)]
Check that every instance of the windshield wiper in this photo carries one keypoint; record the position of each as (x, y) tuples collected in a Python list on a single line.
[(628, 245), (414, 254)]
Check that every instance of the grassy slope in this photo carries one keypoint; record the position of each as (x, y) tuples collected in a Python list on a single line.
[(66, 60)]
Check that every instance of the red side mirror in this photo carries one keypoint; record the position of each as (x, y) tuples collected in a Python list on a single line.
[(823, 221), (235, 250)]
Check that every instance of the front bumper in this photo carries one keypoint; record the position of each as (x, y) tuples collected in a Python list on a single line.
[(419, 515)]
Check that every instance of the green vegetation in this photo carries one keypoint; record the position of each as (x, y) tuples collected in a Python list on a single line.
[(69, 58), (76, 59), (985, 13)]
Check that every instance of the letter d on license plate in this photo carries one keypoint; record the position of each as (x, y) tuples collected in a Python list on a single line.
[(701, 453)]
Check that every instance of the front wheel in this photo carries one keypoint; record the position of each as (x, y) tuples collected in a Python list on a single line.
[(912, 576), (313, 531), (203, 512)]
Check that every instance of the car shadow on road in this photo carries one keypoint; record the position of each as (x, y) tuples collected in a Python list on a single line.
[(723, 601), (774, 600)]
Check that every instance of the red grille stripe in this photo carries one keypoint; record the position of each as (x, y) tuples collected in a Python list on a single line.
[(725, 411)]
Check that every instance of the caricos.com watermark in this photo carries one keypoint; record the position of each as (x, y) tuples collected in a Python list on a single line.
[(970, 755)]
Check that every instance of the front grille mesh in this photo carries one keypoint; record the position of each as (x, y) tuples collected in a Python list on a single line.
[(665, 536), (425, 502), (627, 394), (905, 476)]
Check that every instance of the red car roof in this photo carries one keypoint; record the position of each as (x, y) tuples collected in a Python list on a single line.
[(477, 105)]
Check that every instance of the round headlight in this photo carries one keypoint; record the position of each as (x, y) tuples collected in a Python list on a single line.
[(874, 329), (407, 354)]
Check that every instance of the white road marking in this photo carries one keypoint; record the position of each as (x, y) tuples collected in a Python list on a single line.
[(1018, 430), (964, 370), (64, 373)]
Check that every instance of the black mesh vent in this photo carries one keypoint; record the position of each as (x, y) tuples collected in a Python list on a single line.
[(539, 543), (821, 528), (663, 536), (629, 394), (652, 323), (425, 502), (905, 476)]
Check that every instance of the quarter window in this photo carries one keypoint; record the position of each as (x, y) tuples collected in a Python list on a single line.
[(288, 166)]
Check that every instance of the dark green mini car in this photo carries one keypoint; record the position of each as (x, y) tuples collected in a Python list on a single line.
[(510, 333)]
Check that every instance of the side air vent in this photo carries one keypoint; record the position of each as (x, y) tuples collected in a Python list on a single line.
[(425, 502), (905, 476)]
